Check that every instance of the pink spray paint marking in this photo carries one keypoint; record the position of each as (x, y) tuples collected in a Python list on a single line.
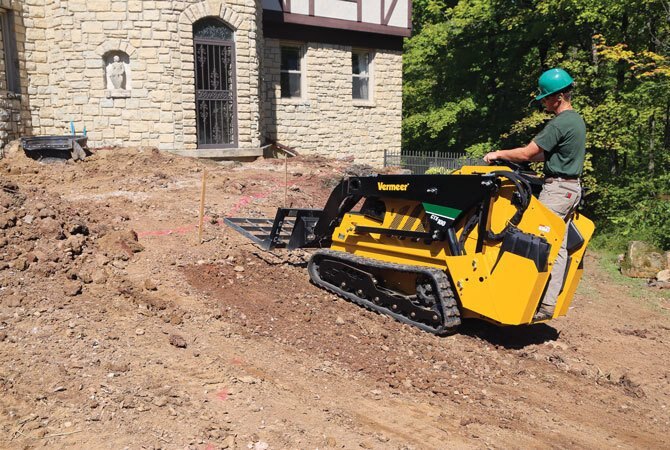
[(190, 228), (223, 394), (186, 229)]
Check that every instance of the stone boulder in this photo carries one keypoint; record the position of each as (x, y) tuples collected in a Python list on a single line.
[(120, 244), (663, 276), (13, 149), (642, 260)]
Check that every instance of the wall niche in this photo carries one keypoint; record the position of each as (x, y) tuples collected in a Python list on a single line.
[(117, 74)]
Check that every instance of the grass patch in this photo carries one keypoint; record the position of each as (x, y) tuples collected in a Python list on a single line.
[(606, 259)]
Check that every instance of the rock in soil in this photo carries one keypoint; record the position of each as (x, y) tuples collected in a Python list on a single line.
[(178, 341)]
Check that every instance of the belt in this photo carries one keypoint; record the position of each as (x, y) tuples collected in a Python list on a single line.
[(568, 180)]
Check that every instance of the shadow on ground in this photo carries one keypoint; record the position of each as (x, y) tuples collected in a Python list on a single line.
[(511, 337)]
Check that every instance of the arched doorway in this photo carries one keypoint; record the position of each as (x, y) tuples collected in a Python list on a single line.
[(215, 96)]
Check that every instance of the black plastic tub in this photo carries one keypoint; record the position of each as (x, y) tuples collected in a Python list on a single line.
[(62, 147)]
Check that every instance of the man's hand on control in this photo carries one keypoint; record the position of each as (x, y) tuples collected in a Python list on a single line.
[(492, 156)]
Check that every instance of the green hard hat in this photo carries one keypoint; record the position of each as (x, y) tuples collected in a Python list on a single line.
[(553, 81)]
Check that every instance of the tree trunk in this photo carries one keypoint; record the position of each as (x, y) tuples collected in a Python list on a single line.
[(622, 68), (652, 129), (614, 168), (594, 52), (651, 26), (543, 51), (666, 131)]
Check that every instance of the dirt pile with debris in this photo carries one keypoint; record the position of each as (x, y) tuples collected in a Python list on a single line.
[(118, 329)]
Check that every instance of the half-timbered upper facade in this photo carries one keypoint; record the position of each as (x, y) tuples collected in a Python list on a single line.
[(207, 78), (376, 16)]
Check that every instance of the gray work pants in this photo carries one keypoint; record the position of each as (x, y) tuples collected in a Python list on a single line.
[(561, 197)]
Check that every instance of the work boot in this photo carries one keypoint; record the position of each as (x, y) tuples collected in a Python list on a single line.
[(545, 312)]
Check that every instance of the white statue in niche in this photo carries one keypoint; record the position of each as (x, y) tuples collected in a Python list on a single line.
[(116, 72), (118, 77)]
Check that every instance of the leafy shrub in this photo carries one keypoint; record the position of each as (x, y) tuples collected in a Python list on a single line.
[(633, 209), (438, 171)]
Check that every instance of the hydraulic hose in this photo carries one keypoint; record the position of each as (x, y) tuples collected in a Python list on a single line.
[(525, 193)]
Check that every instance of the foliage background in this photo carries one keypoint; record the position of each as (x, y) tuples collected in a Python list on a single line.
[(471, 66)]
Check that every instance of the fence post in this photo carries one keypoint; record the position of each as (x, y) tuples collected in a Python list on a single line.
[(385, 150)]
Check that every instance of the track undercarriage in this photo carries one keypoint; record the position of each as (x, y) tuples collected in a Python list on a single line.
[(419, 296)]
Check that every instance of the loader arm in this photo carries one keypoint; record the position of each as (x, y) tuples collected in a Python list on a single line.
[(445, 198)]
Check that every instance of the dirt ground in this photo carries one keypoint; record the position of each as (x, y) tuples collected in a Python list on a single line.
[(118, 330)]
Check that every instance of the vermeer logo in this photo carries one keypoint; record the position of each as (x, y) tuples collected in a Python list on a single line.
[(392, 187)]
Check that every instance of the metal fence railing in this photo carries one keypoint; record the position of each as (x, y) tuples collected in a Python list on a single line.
[(420, 161)]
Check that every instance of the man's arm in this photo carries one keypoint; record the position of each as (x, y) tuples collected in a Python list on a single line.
[(531, 152)]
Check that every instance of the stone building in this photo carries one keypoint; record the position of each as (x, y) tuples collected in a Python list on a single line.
[(209, 78)]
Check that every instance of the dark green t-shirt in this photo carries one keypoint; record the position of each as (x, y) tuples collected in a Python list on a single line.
[(563, 140)]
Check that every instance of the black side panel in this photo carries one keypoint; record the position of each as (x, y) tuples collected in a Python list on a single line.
[(528, 246), (575, 238)]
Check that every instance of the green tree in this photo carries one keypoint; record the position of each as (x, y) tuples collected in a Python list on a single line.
[(471, 66)]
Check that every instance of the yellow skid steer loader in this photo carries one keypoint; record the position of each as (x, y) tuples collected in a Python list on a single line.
[(430, 250)]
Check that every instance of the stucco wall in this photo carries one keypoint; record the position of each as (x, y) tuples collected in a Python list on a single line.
[(66, 41), (327, 120)]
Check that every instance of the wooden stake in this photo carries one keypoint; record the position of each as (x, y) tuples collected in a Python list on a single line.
[(202, 205)]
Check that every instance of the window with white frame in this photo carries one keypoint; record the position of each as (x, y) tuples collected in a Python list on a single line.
[(361, 70), (291, 71)]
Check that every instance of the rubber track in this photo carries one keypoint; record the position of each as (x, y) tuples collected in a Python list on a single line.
[(450, 311)]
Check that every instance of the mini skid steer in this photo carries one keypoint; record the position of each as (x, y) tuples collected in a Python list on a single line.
[(430, 250)]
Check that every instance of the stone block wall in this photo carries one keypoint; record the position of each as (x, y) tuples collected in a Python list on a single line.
[(67, 42), (66, 47), (327, 120)]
